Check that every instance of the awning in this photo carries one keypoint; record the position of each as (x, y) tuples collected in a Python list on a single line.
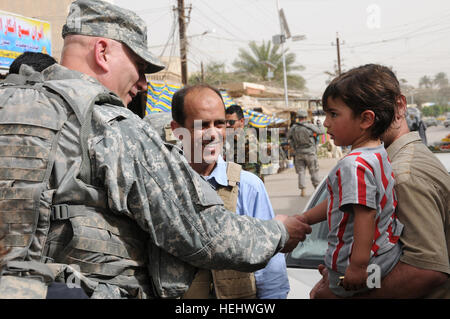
[(159, 99), (159, 96)]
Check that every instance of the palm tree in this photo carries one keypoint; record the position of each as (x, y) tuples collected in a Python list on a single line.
[(440, 80), (254, 64), (426, 82)]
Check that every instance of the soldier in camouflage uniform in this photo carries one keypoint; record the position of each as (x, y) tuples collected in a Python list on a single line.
[(91, 194), (241, 142), (302, 137)]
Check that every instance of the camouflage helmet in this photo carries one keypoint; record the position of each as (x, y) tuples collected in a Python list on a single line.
[(302, 113), (103, 19)]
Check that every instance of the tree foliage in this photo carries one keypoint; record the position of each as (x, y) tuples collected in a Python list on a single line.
[(252, 64), (435, 110), (215, 74), (425, 82), (435, 90)]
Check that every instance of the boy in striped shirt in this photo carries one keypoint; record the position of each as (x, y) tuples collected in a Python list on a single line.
[(360, 208)]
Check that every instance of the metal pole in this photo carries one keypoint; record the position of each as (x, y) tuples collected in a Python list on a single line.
[(202, 72), (286, 99), (338, 54), (183, 45)]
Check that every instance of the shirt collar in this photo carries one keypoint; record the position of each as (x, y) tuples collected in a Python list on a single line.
[(219, 174), (395, 147)]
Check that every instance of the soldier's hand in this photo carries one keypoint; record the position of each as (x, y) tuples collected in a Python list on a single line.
[(296, 228)]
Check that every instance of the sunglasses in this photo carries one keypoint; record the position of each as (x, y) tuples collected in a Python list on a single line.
[(231, 122)]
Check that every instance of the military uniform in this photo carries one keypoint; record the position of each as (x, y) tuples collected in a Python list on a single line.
[(302, 139), (225, 284), (243, 149), (91, 193), (137, 180)]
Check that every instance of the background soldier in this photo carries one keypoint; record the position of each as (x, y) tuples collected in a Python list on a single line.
[(302, 137), (245, 149)]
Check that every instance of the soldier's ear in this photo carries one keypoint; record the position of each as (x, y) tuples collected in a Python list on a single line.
[(101, 54)]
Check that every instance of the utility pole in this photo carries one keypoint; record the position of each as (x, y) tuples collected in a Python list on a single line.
[(338, 54), (202, 72), (183, 41)]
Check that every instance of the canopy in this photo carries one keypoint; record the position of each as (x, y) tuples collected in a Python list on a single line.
[(159, 99)]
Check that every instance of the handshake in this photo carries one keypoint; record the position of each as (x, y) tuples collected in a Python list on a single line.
[(297, 228)]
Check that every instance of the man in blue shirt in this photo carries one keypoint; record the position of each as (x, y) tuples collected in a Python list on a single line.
[(199, 121), (272, 281)]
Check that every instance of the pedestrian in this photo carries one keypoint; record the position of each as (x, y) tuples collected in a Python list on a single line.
[(360, 206), (302, 137), (241, 191), (422, 185), (95, 196)]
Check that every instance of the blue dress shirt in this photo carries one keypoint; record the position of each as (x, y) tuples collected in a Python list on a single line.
[(272, 281)]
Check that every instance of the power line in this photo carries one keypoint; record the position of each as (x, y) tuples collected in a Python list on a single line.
[(222, 17), (253, 16), (270, 16), (217, 24), (171, 34), (157, 20)]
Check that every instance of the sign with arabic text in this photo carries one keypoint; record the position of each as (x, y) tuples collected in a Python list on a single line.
[(19, 34)]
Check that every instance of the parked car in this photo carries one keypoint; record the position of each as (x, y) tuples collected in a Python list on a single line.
[(447, 121), (303, 261), (430, 121)]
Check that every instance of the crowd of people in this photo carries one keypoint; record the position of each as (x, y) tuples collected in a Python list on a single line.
[(99, 203)]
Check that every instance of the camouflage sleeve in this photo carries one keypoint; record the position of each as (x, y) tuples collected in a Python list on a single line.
[(289, 135), (180, 211), (252, 148), (318, 129)]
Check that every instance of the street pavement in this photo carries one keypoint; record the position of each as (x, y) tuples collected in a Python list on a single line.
[(283, 188)]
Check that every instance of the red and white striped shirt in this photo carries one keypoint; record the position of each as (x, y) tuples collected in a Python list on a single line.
[(362, 177)]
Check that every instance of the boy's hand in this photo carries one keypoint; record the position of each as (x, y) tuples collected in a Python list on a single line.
[(296, 229), (303, 218), (355, 277)]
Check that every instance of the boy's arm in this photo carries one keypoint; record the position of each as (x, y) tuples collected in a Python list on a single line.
[(316, 214), (363, 232)]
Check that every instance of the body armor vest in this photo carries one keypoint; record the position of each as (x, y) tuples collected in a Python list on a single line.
[(227, 284), (42, 234)]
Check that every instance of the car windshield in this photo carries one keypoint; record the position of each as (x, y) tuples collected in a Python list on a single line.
[(310, 253)]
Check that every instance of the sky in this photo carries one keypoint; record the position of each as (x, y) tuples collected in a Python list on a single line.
[(411, 36)]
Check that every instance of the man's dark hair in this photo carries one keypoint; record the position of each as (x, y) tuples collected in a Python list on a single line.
[(369, 87), (235, 109), (38, 61), (178, 100)]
